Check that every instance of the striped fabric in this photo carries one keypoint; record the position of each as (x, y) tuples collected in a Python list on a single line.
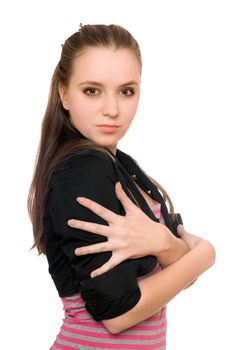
[(80, 331)]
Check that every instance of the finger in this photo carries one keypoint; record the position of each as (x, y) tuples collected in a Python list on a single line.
[(89, 226), (110, 264), (180, 229), (123, 198), (93, 248), (98, 209)]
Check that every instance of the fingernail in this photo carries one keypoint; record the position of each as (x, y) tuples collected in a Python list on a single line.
[(70, 222), (80, 199), (77, 252)]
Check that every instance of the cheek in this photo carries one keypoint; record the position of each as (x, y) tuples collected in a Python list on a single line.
[(81, 110), (131, 109)]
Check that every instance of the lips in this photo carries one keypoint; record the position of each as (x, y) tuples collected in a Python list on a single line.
[(108, 128)]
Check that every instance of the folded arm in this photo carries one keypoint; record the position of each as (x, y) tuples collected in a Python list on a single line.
[(188, 257), (115, 295), (158, 289)]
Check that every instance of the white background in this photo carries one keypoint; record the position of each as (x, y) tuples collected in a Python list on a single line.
[(182, 136)]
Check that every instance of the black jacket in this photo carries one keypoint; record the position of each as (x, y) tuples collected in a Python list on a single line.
[(93, 174)]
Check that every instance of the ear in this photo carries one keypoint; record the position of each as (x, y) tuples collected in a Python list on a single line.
[(63, 96)]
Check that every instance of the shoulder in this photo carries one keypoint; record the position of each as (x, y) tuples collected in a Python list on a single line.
[(89, 157), (86, 162), (85, 168), (88, 173)]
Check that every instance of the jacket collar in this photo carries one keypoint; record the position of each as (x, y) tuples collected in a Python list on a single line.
[(133, 169)]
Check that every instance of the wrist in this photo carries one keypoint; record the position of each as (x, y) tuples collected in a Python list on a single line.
[(171, 249), (162, 239)]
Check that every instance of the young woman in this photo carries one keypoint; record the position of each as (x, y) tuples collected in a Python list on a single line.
[(124, 255)]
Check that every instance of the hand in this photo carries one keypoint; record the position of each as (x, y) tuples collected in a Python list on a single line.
[(190, 239), (131, 236)]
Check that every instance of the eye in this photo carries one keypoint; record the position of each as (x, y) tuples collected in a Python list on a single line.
[(91, 91), (127, 92)]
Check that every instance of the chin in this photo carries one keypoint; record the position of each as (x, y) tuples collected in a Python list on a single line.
[(109, 145)]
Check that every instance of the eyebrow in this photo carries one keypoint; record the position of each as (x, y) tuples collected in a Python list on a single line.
[(96, 83)]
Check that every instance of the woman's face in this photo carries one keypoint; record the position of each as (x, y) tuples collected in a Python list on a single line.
[(103, 93)]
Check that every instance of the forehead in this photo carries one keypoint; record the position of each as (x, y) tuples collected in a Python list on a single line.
[(106, 65)]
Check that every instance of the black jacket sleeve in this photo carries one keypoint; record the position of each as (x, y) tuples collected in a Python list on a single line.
[(90, 174)]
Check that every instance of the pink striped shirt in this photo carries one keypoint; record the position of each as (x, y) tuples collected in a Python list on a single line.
[(80, 331)]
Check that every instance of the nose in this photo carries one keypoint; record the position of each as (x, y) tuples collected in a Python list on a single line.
[(110, 106)]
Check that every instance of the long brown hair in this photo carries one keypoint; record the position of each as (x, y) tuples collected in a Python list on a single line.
[(59, 138)]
